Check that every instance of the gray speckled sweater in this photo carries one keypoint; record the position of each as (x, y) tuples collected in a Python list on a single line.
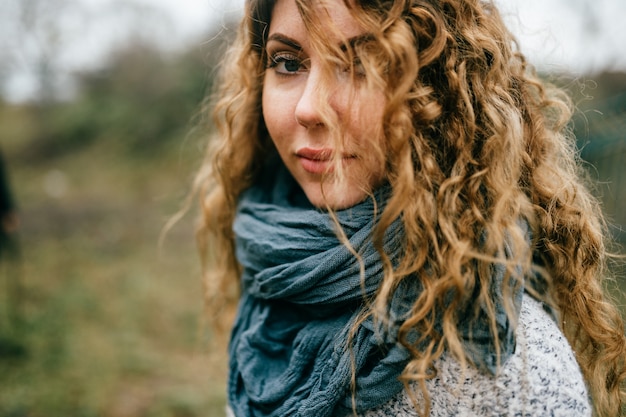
[(542, 378)]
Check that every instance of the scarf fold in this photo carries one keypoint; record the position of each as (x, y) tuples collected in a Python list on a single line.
[(302, 291)]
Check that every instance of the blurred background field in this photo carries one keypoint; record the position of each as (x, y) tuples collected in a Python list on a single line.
[(97, 318)]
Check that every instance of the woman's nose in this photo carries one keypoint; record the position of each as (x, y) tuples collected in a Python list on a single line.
[(307, 110)]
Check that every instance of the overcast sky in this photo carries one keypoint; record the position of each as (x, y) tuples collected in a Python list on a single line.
[(578, 36)]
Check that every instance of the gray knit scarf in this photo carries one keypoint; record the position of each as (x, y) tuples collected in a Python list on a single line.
[(301, 293)]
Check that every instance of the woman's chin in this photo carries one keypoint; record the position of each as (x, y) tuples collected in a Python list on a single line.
[(334, 197)]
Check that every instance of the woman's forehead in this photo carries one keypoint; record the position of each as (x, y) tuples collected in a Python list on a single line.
[(332, 15)]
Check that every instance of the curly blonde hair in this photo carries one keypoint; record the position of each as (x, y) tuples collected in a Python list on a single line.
[(474, 142)]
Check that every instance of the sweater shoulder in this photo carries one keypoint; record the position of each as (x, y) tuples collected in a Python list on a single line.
[(541, 378)]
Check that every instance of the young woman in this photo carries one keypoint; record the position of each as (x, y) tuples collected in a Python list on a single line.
[(394, 197)]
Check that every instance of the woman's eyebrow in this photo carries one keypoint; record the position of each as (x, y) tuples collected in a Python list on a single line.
[(355, 40), (284, 39), (349, 44)]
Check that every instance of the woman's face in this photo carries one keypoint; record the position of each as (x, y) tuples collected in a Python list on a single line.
[(292, 106)]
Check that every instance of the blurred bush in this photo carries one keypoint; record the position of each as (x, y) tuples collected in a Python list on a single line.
[(600, 129), (142, 99)]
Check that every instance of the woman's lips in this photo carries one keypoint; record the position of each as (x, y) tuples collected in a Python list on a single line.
[(318, 161)]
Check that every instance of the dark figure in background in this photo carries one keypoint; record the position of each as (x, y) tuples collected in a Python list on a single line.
[(10, 345), (8, 215)]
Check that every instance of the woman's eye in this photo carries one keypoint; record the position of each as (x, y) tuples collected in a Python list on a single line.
[(358, 69), (286, 64)]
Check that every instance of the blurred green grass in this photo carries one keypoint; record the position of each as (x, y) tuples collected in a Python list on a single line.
[(109, 323)]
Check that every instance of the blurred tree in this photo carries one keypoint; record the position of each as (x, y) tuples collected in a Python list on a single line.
[(34, 39), (44, 41), (32, 43), (142, 98), (142, 94)]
